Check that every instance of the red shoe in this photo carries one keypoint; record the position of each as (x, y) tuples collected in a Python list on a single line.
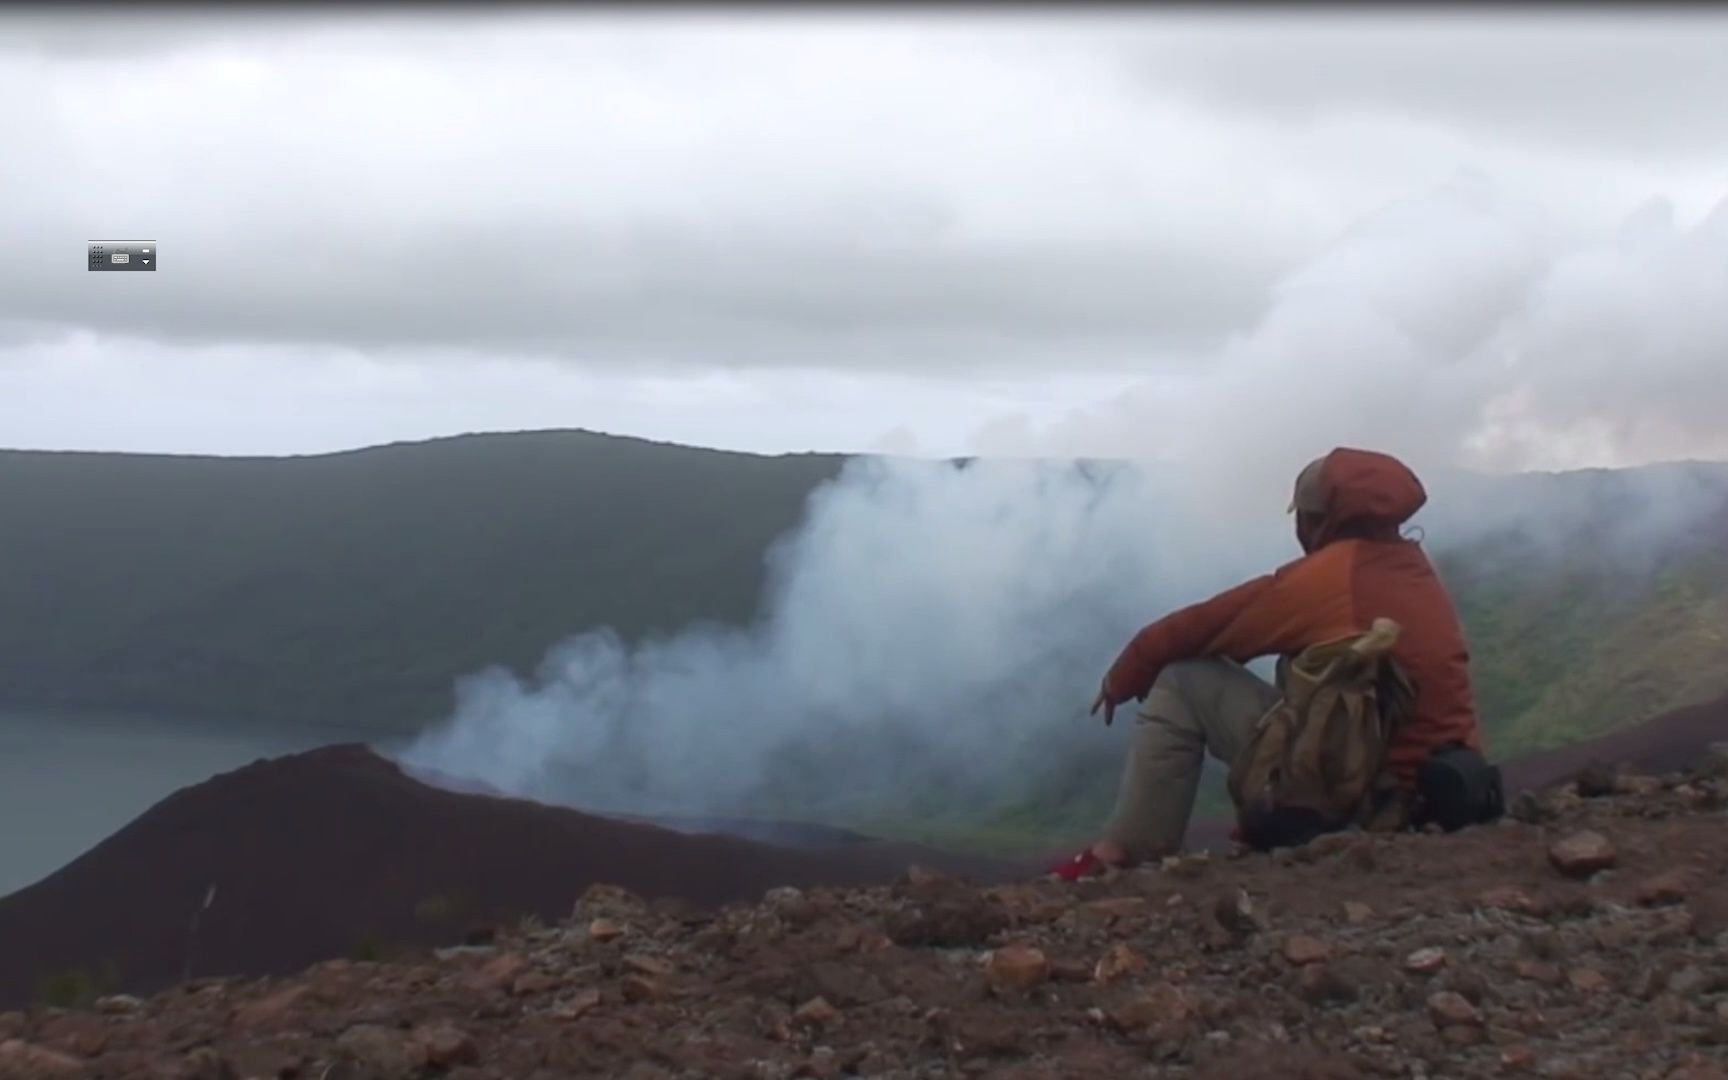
[(1083, 865)]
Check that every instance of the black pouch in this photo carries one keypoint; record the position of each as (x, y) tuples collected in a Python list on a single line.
[(1458, 787), (1264, 827)]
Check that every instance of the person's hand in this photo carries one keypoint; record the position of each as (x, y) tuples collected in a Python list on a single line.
[(1102, 701)]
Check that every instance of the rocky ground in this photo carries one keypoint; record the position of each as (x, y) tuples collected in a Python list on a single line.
[(1583, 938)]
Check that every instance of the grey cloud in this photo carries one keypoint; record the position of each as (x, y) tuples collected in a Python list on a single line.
[(352, 191), (1608, 83), (660, 295), (949, 193), (96, 31)]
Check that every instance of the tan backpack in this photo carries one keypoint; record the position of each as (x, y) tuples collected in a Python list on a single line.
[(1316, 761)]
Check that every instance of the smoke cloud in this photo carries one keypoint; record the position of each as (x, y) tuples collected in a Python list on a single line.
[(940, 628)]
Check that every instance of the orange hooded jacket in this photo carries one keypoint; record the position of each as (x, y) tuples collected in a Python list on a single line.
[(1358, 568)]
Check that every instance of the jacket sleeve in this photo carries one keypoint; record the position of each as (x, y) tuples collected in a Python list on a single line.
[(1302, 603)]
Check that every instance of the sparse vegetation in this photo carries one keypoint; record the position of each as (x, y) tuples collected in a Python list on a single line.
[(374, 949), (442, 910), (77, 988)]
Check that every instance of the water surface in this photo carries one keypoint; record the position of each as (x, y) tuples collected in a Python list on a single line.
[(68, 781)]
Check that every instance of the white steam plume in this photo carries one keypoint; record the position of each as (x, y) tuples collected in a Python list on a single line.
[(950, 624)]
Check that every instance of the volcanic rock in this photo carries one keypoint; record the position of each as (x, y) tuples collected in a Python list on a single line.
[(1323, 982), (604, 930), (499, 973), (1017, 967), (1668, 887), (271, 1010), (1305, 949), (1554, 977), (1447, 1009), (444, 1046), (383, 1049), (1582, 853), (816, 1013), (20, 1060), (1425, 961), (1119, 961), (642, 988)]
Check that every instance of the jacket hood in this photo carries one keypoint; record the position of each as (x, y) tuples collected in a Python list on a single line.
[(1364, 493)]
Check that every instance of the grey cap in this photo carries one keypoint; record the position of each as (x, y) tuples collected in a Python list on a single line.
[(1307, 496)]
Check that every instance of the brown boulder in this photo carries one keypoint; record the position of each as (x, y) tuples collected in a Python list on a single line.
[(1162, 1009), (1017, 967), (1538, 971), (445, 1046), (642, 988), (80, 1033), (20, 1060), (1517, 1058), (1028, 903), (1234, 912), (1667, 887), (1449, 1009), (845, 985), (382, 1049), (498, 973), (1118, 962), (1425, 961), (530, 983), (1582, 853), (1319, 983), (271, 1010), (205, 1063), (577, 1004), (1303, 949), (816, 1012)]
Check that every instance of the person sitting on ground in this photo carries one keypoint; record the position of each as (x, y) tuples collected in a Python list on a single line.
[(1186, 668)]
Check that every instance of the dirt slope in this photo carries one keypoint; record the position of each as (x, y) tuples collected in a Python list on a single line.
[(1672, 741), (324, 853), (337, 853), (1586, 942)]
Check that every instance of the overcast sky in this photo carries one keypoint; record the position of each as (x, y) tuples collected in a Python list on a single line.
[(848, 230)]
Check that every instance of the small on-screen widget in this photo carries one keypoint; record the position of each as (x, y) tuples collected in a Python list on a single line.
[(122, 254)]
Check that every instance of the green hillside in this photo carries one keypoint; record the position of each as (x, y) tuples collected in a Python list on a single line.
[(356, 588), (1563, 649), (1570, 648)]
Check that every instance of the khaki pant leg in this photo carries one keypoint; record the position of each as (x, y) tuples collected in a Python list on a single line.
[(1196, 706)]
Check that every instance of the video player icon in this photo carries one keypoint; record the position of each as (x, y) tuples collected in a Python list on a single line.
[(122, 254)]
